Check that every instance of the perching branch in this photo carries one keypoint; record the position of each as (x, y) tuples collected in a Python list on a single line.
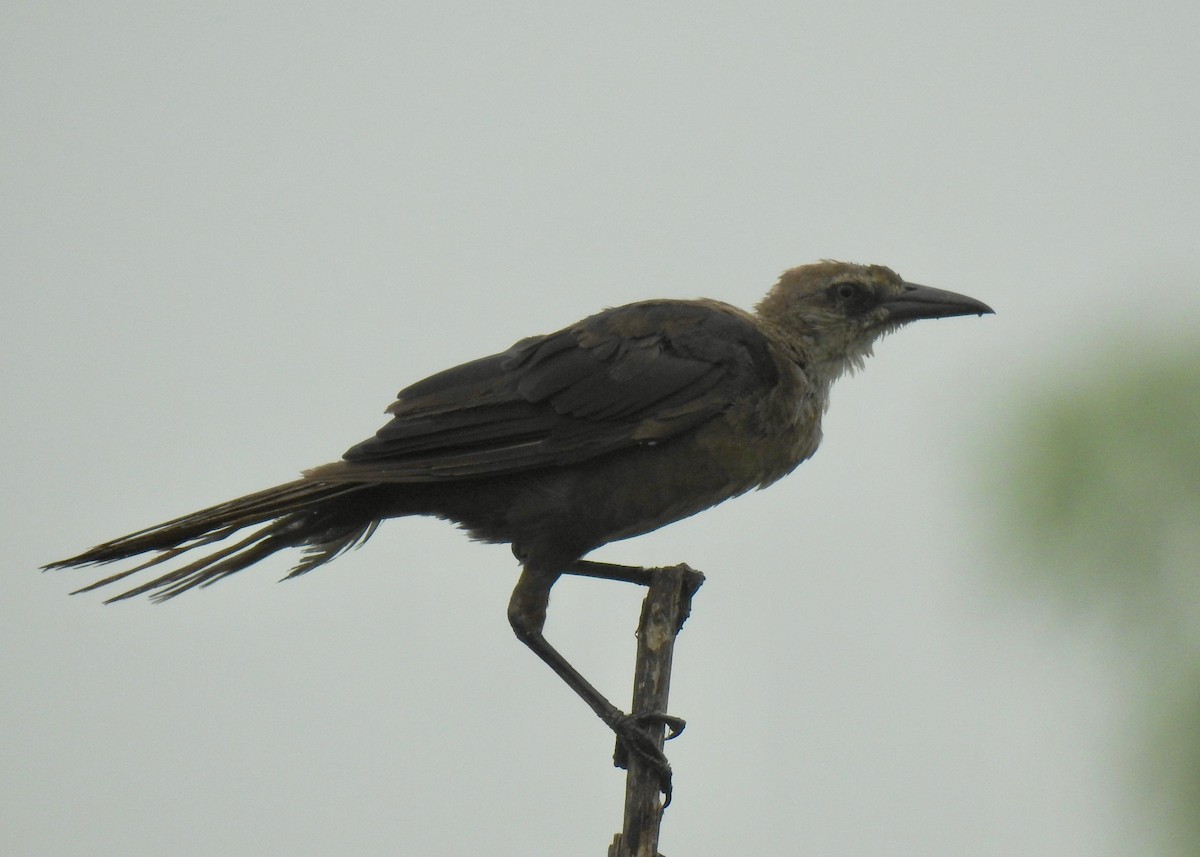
[(668, 603)]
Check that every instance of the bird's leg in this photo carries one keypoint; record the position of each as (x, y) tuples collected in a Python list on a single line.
[(611, 571), (527, 615), (642, 577)]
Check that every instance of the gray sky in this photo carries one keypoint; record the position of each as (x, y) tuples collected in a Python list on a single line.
[(233, 231)]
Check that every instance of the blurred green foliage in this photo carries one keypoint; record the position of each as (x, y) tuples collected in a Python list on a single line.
[(1105, 504), (1106, 484)]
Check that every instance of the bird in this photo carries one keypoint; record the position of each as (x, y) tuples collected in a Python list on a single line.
[(610, 428)]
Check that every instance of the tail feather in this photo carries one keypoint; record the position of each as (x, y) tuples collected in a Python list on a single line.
[(305, 513), (317, 553)]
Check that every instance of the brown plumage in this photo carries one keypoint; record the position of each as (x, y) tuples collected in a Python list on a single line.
[(628, 420)]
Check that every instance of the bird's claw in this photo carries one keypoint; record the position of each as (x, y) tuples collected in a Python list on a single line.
[(650, 719), (634, 738), (674, 725)]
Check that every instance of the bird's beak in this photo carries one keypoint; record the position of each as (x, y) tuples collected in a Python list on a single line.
[(927, 302)]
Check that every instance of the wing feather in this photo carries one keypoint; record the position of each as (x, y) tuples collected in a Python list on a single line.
[(636, 374)]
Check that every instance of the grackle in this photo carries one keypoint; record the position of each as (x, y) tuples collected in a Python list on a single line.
[(615, 426)]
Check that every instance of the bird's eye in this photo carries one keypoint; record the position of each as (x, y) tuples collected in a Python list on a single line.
[(847, 291), (852, 298)]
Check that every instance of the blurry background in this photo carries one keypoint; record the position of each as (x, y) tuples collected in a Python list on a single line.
[(968, 626)]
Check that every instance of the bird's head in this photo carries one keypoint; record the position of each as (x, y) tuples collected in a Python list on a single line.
[(836, 310)]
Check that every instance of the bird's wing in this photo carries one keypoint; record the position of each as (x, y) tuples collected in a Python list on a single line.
[(638, 374)]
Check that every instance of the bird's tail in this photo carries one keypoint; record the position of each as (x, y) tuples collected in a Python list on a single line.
[(324, 518)]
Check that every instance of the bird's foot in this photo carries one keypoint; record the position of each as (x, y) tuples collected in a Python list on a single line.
[(637, 734)]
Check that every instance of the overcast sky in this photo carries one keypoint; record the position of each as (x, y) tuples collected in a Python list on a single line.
[(232, 231)]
